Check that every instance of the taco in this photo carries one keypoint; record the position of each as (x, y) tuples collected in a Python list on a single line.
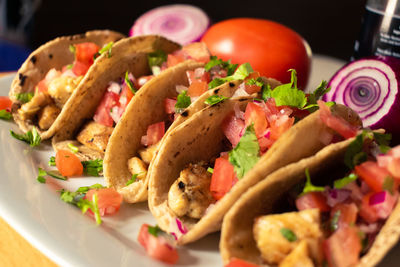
[(168, 100), (347, 216), (190, 202), (50, 75)]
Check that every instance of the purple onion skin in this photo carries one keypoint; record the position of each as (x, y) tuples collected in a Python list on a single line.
[(391, 120)]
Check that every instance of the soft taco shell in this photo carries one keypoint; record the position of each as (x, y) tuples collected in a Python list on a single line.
[(266, 197), (200, 138), (53, 54), (129, 54)]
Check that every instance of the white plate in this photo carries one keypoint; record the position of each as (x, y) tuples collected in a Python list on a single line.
[(69, 238)]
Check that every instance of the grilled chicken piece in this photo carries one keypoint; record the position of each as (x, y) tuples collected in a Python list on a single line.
[(190, 194), (31, 108), (299, 257), (61, 88), (137, 166), (95, 136), (147, 154), (47, 116), (272, 243)]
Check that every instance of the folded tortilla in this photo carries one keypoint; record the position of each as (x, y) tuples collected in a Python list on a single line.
[(266, 197), (129, 54), (53, 54), (201, 138)]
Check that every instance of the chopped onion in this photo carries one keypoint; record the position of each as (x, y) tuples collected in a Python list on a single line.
[(238, 113), (335, 196), (114, 87), (181, 23), (180, 88), (370, 86), (377, 198), (241, 91), (382, 203), (182, 228)]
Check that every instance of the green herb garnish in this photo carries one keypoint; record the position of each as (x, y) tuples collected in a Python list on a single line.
[(182, 102), (214, 61), (52, 161), (133, 179), (246, 153), (354, 154), (345, 181), (42, 174), (335, 220), (309, 187), (5, 115), (24, 97), (130, 83), (32, 137), (106, 49), (93, 167), (154, 230), (156, 58), (74, 149), (241, 73), (72, 49), (388, 184), (288, 234), (210, 170), (214, 99)]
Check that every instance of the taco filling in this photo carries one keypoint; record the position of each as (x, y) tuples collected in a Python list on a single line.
[(336, 224), (52, 92)]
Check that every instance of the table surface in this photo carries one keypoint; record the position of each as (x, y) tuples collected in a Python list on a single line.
[(15, 250)]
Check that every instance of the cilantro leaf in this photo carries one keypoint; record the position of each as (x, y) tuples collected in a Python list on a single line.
[(215, 83), (309, 187), (52, 161), (5, 115), (95, 208), (133, 179), (93, 167), (240, 74), (106, 49), (246, 153), (288, 234), (335, 221), (182, 102), (24, 97), (285, 95), (130, 83), (227, 65), (214, 99), (32, 137), (340, 183), (154, 230), (42, 174), (354, 154), (156, 58)]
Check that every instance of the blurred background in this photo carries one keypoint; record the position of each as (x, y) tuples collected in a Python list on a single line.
[(330, 27)]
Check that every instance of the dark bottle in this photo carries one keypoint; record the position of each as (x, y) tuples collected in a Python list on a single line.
[(380, 30)]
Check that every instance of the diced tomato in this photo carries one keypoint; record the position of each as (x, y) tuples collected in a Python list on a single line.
[(84, 52), (175, 58), (312, 200), (157, 247), (391, 162), (222, 178), (68, 163), (102, 115), (235, 262), (253, 75), (199, 75), (169, 105), (271, 110), (265, 141), (366, 211), (154, 133), (251, 89), (280, 126), (197, 88), (5, 103), (232, 128), (376, 206), (343, 247), (80, 68), (341, 126), (254, 114), (108, 200), (197, 51), (374, 176), (348, 213)]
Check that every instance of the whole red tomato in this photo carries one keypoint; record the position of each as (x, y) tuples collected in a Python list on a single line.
[(271, 48)]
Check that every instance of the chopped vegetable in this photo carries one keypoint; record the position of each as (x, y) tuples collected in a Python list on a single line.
[(181, 23), (42, 173), (222, 178), (182, 102), (132, 180), (105, 49), (312, 200), (288, 234), (73, 148), (108, 200), (24, 97), (241, 73), (130, 83), (68, 163), (345, 181), (52, 161), (374, 176), (214, 99), (156, 58), (246, 154), (5, 115), (214, 61), (32, 137), (370, 87), (156, 244), (309, 187), (93, 167)]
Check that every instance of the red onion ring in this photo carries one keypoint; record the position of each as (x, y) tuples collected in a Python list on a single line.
[(181, 23), (370, 86)]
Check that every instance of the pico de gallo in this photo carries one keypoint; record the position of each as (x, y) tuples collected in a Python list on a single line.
[(250, 132), (336, 225), (51, 93)]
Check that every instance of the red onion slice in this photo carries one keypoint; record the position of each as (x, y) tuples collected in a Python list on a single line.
[(181, 23), (370, 86)]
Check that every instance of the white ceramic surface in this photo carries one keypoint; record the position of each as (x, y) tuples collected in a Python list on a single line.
[(69, 238)]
